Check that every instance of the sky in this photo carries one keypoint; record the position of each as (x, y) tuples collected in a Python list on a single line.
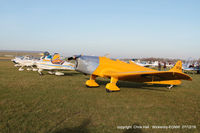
[(120, 28)]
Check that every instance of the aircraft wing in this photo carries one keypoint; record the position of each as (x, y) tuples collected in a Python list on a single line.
[(148, 76)]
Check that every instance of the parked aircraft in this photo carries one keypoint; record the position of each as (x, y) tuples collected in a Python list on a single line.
[(145, 64), (25, 61), (16, 60), (53, 65), (191, 68), (191, 65), (153, 64), (119, 70)]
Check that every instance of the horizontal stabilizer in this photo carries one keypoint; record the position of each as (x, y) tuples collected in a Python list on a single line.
[(166, 82)]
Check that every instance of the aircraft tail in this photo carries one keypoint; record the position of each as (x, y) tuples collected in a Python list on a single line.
[(177, 67)]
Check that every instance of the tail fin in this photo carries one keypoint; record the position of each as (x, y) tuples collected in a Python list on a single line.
[(177, 67)]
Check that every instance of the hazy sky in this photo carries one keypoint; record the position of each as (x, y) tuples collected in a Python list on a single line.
[(122, 28)]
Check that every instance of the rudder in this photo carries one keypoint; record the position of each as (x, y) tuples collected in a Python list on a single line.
[(177, 67)]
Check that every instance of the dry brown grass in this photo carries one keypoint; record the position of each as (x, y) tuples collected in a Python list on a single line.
[(31, 103)]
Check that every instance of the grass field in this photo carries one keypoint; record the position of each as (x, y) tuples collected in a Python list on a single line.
[(12, 54), (30, 103)]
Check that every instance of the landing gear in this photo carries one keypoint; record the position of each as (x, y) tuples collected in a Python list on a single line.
[(91, 82), (59, 73), (108, 91), (50, 72), (21, 68), (28, 69), (112, 87), (170, 87), (91, 86), (34, 69), (17, 65), (40, 72)]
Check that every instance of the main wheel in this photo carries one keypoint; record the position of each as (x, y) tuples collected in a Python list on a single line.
[(107, 90)]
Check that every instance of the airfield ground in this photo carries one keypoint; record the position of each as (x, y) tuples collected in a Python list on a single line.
[(30, 103)]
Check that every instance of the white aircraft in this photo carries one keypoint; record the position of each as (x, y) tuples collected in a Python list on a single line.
[(145, 64), (153, 64), (25, 61), (170, 65), (16, 60), (191, 68), (53, 65)]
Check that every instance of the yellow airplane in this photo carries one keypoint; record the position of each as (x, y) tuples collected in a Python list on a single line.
[(119, 70)]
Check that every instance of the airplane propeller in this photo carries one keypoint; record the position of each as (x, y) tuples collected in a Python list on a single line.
[(74, 57)]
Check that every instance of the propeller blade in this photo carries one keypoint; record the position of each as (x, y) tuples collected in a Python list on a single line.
[(74, 57), (70, 58)]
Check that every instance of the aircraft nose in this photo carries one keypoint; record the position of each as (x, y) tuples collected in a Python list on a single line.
[(70, 58), (74, 57)]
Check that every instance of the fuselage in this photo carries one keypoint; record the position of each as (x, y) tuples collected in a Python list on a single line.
[(98, 65), (48, 65), (24, 61), (105, 67)]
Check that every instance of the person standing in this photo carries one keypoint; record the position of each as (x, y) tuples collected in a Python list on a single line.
[(159, 66), (165, 67), (198, 69)]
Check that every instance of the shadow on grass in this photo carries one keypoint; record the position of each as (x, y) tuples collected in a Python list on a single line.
[(66, 73), (134, 129), (134, 85), (72, 73), (79, 129)]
